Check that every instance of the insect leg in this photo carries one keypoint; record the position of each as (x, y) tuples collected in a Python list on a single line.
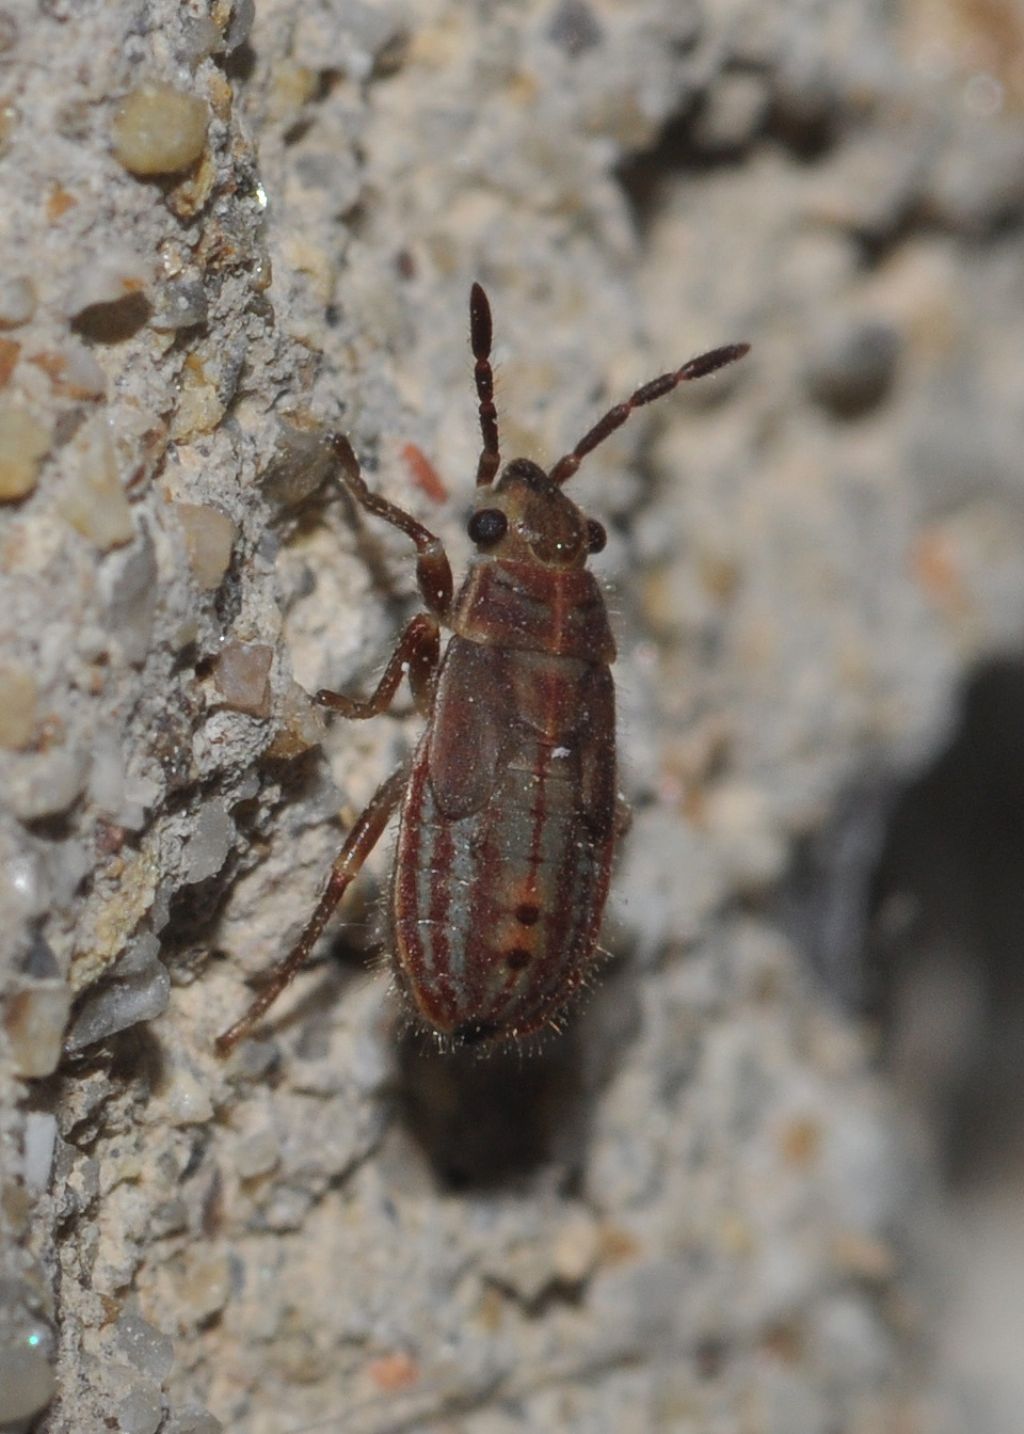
[(433, 571), (418, 648), (358, 844), (480, 338)]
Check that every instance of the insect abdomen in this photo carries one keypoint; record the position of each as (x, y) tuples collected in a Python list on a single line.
[(496, 914)]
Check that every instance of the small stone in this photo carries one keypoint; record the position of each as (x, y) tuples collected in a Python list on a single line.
[(46, 784), (193, 1420), (301, 461), (138, 991), (201, 39), (200, 408), (25, 891), (180, 305), (19, 697), (186, 1098), (242, 676), (733, 113), (576, 1249), (209, 537), (93, 500), (34, 1019), (130, 589), (206, 1284), (23, 443), (257, 1155), (27, 1380), (40, 1140), (979, 182), (147, 1349), (159, 130), (851, 369), (243, 13), (574, 27), (140, 1409), (302, 725), (210, 842), (17, 301)]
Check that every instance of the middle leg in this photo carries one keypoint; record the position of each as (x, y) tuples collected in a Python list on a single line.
[(418, 649)]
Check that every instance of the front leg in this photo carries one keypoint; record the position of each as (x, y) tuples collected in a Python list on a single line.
[(433, 571), (419, 649)]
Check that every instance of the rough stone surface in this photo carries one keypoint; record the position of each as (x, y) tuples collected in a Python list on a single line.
[(690, 1212)]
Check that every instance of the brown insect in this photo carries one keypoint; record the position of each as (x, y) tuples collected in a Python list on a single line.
[(509, 807)]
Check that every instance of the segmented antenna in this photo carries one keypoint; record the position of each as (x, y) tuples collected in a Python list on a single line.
[(480, 338), (647, 393)]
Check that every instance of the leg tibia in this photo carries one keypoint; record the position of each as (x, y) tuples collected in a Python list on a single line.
[(418, 649)]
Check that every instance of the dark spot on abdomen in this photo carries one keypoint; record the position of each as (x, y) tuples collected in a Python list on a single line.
[(518, 958), (527, 914)]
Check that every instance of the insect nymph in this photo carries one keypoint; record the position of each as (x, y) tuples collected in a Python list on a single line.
[(509, 804)]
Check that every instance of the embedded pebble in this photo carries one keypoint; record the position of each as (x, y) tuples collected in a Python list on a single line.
[(139, 990), (19, 697), (851, 369), (200, 406), (979, 182), (159, 130), (40, 1139), (140, 1409), (17, 301), (210, 538), (733, 112), (243, 13), (242, 675), (106, 780), (46, 784), (301, 725), (92, 499), (257, 1154), (180, 305), (129, 587), (27, 1380), (193, 1420), (210, 842), (300, 463), (206, 1285), (201, 39), (574, 27), (23, 443), (34, 1019), (147, 1349), (25, 891), (186, 1099)]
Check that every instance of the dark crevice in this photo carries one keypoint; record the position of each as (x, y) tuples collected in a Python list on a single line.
[(911, 907)]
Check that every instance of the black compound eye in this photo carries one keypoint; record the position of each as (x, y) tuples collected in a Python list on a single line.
[(487, 526), (596, 536)]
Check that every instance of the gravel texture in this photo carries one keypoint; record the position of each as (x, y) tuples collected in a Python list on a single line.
[(225, 233)]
